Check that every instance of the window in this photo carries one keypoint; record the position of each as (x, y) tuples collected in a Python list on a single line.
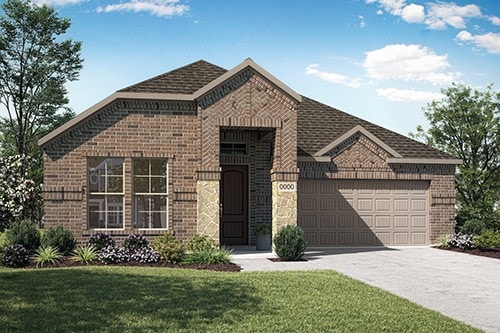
[(227, 148), (105, 199), (150, 193)]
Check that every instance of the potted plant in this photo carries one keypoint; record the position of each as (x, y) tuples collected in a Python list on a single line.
[(263, 233)]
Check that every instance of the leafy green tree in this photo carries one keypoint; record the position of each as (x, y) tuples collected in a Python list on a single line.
[(35, 65), (466, 124)]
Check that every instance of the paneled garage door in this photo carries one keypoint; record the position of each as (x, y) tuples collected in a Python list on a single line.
[(363, 212)]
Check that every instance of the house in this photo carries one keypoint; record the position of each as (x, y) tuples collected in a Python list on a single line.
[(202, 149)]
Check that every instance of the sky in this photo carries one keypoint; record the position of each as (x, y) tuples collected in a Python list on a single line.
[(381, 60)]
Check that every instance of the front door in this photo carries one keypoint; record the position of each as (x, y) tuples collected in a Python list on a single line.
[(234, 205)]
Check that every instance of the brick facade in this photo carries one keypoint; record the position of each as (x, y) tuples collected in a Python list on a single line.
[(247, 107), (126, 129)]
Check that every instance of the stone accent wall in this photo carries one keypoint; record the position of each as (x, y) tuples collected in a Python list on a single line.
[(208, 208), (126, 129), (363, 159), (284, 206)]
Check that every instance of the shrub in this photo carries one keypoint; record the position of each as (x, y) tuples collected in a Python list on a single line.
[(101, 240), (3, 241), (135, 242), (15, 256), (169, 248), (289, 243), (488, 239), (145, 255), (17, 190), (210, 256), (60, 238), (46, 255), (200, 242), (24, 233), (84, 254), (443, 240), (473, 227), (113, 255), (463, 241), (262, 229)]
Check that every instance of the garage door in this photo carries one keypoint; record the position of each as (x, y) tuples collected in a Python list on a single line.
[(363, 212)]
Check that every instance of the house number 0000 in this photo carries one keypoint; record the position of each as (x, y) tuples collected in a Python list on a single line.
[(287, 187)]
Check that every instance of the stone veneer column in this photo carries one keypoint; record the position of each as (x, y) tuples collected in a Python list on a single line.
[(284, 198), (207, 188)]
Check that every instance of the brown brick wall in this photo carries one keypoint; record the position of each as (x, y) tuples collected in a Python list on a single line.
[(125, 129), (248, 101)]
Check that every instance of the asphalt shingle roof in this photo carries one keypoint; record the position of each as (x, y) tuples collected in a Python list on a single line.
[(317, 124), (184, 80)]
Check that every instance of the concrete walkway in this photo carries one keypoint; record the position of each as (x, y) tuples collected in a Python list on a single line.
[(458, 285)]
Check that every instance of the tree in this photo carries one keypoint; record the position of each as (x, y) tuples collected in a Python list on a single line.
[(35, 64), (466, 124)]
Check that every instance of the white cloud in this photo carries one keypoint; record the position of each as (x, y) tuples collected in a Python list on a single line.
[(362, 23), (410, 95), (162, 8), (407, 63), (413, 13), (380, 12), (495, 20), (332, 77), (441, 14), (489, 41), (57, 2), (394, 7)]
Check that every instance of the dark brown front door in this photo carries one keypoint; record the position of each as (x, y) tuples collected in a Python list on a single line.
[(234, 205)]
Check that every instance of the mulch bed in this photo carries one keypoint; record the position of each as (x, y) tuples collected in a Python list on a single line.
[(280, 260), (491, 253), (231, 267)]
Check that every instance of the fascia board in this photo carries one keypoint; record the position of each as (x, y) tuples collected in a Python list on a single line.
[(454, 161)]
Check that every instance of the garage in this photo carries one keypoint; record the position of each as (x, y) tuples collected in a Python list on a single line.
[(363, 212)]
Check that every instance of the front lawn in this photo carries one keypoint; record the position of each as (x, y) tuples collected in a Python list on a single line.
[(145, 299)]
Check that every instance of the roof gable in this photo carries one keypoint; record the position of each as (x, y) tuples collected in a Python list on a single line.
[(248, 63), (346, 136)]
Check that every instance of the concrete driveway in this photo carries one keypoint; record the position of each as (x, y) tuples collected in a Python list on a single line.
[(458, 285)]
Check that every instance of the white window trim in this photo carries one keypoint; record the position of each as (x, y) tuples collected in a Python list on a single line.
[(166, 195), (106, 194)]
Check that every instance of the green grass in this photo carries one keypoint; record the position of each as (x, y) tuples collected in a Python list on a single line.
[(137, 299)]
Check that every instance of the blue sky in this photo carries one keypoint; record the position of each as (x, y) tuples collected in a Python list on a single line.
[(381, 60)]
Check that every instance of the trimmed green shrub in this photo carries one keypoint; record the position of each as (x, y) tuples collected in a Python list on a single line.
[(488, 239), (46, 255), (25, 233), (61, 238), (84, 254), (101, 240), (289, 243), (262, 229), (210, 256), (200, 242), (15, 256), (169, 248)]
